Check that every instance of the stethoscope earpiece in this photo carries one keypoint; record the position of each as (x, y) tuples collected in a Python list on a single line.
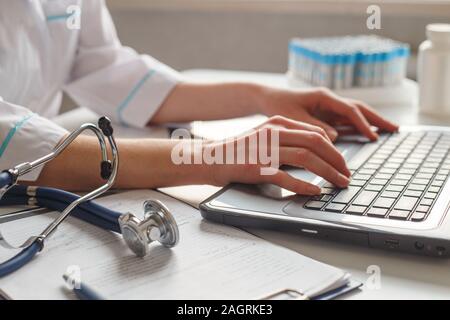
[(158, 225)]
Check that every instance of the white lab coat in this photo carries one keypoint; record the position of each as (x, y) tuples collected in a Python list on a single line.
[(41, 54)]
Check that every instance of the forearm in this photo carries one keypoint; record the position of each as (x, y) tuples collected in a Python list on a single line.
[(189, 101), (144, 163)]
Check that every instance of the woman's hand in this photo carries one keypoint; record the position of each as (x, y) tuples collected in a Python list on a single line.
[(321, 107), (300, 144)]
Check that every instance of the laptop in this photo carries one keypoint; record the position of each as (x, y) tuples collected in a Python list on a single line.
[(398, 198)]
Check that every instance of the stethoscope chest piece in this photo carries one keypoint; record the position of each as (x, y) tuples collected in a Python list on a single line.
[(158, 225)]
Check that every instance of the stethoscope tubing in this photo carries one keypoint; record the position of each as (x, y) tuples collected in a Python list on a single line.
[(55, 205), (43, 194), (5, 179), (88, 212), (19, 260)]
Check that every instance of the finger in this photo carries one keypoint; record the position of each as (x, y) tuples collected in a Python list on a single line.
[(298, 125), (374, 118), (300, 157), (331, 132), (317, 144), (361, 124), (351, 112), (286, 181)]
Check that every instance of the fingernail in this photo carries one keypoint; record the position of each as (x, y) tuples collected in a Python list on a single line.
[(332, 134), (314, 190), (375, 136), (348, 173), (343, 180)]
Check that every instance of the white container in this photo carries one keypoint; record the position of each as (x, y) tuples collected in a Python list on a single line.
[(434, 71)]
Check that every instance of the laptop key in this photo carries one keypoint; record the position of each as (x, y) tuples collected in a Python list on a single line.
[(394, 188), (356, 209), (390, 194), (328, 190), (382, 202), (375, 161), (367, 171), (406, 171), (386, 176), (398, 182), (406, 203), (403, 176), (359, 176), (387, 170), (373, 187), (335, 207), (346, 195), (421, 208), (422, 175), (371, 166), (314, 204), (412, 193), (392, 165), (434, 189), (418, 216), (416, 187), (399, 214), (357, 183), (427, 170), (426, 202), (365, 198), (377, 212), (437, 183), (430, 195), (421, 181), (433, 165), (381, 182), (410, 165)]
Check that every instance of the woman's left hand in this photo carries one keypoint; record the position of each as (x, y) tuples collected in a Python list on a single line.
[(323, 108)]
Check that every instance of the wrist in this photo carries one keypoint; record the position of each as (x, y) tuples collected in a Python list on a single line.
[(188, 164), (257, 98)]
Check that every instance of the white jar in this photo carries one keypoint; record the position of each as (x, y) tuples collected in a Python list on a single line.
[(434, 71)]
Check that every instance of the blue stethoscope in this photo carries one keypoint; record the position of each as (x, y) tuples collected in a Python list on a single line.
[(158, 223)]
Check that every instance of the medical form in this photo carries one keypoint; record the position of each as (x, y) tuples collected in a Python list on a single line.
[(211, 261)]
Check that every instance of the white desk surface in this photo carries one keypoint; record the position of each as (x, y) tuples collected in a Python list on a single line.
[(403, 276)]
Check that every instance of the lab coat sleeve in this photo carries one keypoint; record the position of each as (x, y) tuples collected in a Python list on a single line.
[(24, 137), (112, 79)]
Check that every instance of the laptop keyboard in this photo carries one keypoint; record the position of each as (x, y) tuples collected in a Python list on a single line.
[(401, 180)]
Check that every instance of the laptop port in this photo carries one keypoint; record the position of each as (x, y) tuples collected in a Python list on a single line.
[(392, 243), (440, 250), (419, 245), (309, 231)]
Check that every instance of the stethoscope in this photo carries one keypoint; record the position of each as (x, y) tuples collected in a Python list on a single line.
[(158, 223)]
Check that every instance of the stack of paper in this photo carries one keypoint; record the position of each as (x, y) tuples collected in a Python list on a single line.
[(211, 261)]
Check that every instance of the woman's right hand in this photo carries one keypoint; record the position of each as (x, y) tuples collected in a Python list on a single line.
[(300, 144)]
